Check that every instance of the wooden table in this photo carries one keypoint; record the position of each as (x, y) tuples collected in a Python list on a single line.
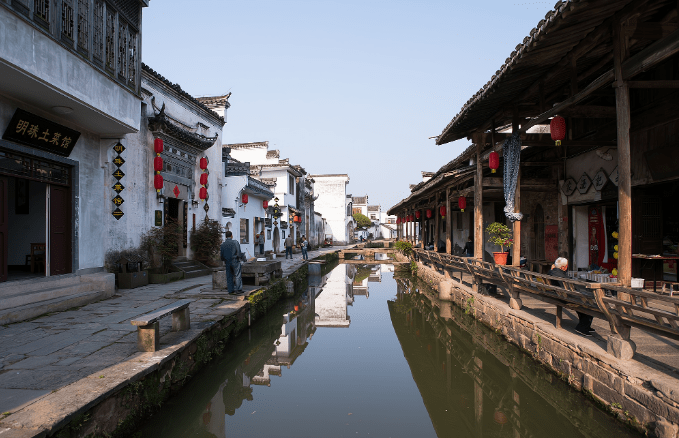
[(540, 266), (661, 258), (37, 247)]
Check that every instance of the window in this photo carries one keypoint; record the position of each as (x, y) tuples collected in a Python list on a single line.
[(42, 12), (67, 19), (373, 217), (131, 56), (83, 24), (98, 30), (110, 38), (245, 231), (123, 37), (291, 183)]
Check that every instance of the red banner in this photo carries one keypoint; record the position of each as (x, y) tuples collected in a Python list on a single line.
[(597, 239)]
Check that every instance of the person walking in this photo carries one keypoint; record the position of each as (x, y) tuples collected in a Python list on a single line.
[(469, 248), (260, 240), (288, 247), (231, 255), (584, 326), (305, 247)]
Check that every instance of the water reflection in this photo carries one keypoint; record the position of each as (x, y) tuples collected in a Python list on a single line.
[(475, 384), (412, 367)]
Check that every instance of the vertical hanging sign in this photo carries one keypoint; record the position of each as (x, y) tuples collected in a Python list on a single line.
[(118, 186)]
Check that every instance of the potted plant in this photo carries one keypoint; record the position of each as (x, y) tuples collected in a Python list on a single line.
[(161, 244), (501, 235)]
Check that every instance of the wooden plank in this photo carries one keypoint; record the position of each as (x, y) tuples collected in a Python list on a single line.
[(449, 224), (478, 204), (653, 84), (516, 248)]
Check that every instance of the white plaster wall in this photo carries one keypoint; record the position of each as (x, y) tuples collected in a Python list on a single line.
[(580, 238), (139, 194), (253, 155), (28, 49), (331, 202), (231, 191), (589, 163)]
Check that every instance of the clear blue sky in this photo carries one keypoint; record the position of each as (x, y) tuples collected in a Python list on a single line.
[(344, 86)]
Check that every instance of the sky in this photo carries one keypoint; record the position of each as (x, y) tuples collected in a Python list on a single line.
[(353, 87)]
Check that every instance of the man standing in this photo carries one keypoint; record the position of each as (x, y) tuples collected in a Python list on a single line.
[(288, 246), (584, 326), (305, 247), (260, 240), (230, 253)]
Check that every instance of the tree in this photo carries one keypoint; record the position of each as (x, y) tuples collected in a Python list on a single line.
[(362, 220)]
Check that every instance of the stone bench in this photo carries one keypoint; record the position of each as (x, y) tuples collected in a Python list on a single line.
[(148, 327)]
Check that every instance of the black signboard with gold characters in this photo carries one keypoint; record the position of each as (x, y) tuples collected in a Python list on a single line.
[(118, 186), (34, 131)]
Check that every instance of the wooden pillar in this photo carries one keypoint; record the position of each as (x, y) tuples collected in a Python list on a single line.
[(449, 224), (516, 254), (437, 226), (516, 249), (478, 200), (622, 105)]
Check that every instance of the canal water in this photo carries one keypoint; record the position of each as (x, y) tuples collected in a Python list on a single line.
[(368, 352)]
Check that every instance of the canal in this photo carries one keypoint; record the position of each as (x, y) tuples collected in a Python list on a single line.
[(366, 352)]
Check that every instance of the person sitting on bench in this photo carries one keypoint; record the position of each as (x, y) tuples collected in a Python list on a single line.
[(584, 327)]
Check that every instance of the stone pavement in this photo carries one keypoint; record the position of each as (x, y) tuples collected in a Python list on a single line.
[(41, 356)]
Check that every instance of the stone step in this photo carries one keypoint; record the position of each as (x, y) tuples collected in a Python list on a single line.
[(197, 273), (192, 268), (23, 298), (26, 286), (28, 311)]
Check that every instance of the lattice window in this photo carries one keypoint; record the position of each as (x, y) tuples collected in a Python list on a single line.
[(132, 56), (110, 38), (42, 10), (67, 19), (123, 37), (83, 24), (98, 30)]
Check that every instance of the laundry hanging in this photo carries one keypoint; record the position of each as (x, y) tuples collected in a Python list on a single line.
[(512, 156)]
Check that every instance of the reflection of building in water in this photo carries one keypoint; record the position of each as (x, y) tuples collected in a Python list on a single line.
[(386, 268), (336, 295), (376, 274)]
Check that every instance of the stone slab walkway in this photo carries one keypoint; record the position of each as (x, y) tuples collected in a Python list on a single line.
[(43, 357)]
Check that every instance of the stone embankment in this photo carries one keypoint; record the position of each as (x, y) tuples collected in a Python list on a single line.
[(642, 392), (85, 378)]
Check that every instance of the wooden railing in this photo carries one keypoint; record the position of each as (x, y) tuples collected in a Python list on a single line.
[(622, 307)]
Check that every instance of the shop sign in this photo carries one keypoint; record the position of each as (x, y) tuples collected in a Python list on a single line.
[(584, 183), (614, 176), (596, 236), (600, 180), (118, 186), (568, 187), (40, 133)]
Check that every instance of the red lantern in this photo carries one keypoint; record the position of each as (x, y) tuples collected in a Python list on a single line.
[(462, 202), (245, 198), (298, 219), (203, 163), (418, 213), (428, 213), (557, 127), (442, 210), (158, 164), (493, 162), (202, 194), (398, 220), (203, 179), (265, 204), (158, 145), (158, 182)]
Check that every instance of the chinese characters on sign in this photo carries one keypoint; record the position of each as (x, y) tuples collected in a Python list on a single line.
[(600, 180), (37, 132), (584, 183), (568, 187), (118, 186)]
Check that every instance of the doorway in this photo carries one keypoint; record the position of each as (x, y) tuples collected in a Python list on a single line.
[(176, 211)]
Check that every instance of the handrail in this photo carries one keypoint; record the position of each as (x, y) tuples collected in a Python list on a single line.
[(629, 308)]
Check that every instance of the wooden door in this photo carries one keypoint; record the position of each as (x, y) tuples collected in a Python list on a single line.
[(60, 230), (4, 225)]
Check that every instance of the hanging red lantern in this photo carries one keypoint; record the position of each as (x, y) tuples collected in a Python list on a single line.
[(265, 204), (398, 220), (245, 198), (203, 163), (158, 181), (418, 214), (202, 194), (158, 145), (462, 202), (557, 127), (429, 213), (298, 219), (493, 161), (442, 210), (203, 179), (158, 164)]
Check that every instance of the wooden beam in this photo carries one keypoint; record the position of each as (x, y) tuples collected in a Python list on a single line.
[(449, 224), (653, 84), (574, 143), (590, 112), (478, 204), (651, 31), (516, 249)]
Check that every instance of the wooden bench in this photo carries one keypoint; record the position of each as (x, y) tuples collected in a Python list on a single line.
[(148, 327)]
